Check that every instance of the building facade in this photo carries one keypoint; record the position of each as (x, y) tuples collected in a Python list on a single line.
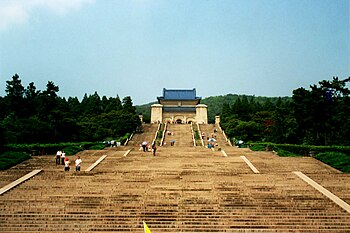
[(179, 106)]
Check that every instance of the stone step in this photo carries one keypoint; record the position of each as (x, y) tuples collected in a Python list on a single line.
[(182, 189)]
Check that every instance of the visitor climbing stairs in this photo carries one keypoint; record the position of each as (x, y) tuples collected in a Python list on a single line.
[(213, 131)]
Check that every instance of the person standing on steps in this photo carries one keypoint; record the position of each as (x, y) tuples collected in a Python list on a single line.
[(58, 157), (77, 164), (63, 156), (154, 149), (66, 164), (144, 146)]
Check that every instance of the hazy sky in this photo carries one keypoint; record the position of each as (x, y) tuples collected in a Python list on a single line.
[(137, 47)]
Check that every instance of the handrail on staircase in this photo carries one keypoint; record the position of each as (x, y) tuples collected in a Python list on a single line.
[(193, 139), (200, 134), (156, 135), (163, 136), (223, 132), (128, 139)]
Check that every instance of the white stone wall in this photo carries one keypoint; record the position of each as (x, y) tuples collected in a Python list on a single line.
[(202, 114), (200, 117), (172, 117), (156, 113), (217, 120)]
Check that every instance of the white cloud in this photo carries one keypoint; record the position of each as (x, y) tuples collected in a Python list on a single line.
[(18, 11)]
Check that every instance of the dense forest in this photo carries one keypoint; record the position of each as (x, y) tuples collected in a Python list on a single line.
[(318, 116), (214, 103), (315, 116), (28, 115)]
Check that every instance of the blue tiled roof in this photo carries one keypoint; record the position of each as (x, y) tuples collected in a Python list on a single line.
[(177, 94)]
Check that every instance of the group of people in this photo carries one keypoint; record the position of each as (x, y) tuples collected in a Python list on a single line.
[(145, 147), (211, 140), (170, 132), (213, 135), (62, 159)]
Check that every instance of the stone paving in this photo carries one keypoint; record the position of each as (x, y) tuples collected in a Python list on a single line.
[(181, 189)]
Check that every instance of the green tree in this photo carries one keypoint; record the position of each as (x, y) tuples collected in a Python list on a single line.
[(113, 104), (3, 108), (268, 105), (128, 105), (248, 131), (47, 101), (91, 105), (283, 129), (226, 112), (14, 98), (31, 99), (74, 107), (30, 92), (319, 112)]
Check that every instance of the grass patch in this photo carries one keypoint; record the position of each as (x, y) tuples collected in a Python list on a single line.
[(97, 147), (335, 156), (284, 153), (72, 150), (337, 160), (257, 147), (11, 158)]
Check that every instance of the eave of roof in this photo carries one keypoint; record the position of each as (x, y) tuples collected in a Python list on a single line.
[(178, 94)]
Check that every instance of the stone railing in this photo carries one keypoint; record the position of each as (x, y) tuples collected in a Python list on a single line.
[(129, 138), (164, 130), (192, 132), (156, 134), (223, 132), (200, 134)]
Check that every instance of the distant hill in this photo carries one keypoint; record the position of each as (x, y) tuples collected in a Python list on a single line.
[(214, 104), (145, 109)]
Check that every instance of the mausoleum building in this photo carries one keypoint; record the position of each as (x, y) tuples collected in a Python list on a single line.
[(179, 106)]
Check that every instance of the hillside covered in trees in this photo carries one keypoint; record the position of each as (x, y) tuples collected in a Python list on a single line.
[(315, 116), (28, 115)]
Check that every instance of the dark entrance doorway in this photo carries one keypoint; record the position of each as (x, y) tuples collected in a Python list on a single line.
[(178, 121)]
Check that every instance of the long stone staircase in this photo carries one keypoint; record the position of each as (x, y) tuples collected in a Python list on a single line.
[(209, 130), (181, 133), (181, 189), (149, 131)]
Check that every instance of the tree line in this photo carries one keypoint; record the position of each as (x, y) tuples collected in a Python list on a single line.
[(28, 115), (315, 116)]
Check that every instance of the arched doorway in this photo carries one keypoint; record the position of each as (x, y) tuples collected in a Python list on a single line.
[(167, 120), (178, 121), (190, 120)]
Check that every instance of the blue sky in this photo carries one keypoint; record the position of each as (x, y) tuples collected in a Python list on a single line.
[(137, 47)]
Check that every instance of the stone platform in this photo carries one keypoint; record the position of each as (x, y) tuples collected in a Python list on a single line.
[(182, 189)]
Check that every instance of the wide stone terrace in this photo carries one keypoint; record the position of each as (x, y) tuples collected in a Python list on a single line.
[(181, 189)]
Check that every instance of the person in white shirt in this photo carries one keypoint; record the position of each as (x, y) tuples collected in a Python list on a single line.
[(77, 164), (66, 164), (58, 157), (63, 156)]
